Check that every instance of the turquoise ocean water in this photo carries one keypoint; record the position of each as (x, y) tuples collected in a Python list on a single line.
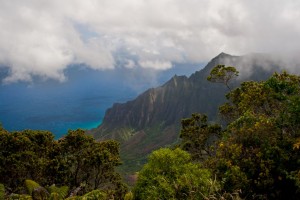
[(79, 102)]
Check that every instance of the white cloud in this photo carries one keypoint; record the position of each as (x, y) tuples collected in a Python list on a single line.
[(158, 65), (41, 38)]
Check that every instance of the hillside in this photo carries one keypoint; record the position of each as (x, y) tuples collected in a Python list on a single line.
[(152, 120)]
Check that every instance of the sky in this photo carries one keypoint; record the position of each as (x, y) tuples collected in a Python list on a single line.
[(41, 38)]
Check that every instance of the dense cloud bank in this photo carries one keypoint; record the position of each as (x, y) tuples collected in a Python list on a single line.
[(42, 38)]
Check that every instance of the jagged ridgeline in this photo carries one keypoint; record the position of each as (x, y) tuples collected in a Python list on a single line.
[(152, 120)]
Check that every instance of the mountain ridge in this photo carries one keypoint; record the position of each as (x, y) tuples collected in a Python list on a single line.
[(145, 101), (152, 119)]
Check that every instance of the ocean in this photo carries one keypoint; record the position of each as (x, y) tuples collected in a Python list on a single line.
[(78, 102)]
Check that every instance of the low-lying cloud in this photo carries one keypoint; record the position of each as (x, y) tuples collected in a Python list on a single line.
[(41, 38)]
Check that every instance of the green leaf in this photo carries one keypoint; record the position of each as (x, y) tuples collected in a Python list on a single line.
[(2, 192), (31, 185), (95, 194), (62, 192)]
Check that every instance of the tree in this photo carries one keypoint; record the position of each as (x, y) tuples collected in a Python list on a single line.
[(256, 152), (76, 161), (24, 155), (82, 161), (170, 174), (222, 74), (198, 136)]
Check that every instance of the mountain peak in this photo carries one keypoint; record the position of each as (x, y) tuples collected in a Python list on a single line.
[(152, 120), (222, 54)]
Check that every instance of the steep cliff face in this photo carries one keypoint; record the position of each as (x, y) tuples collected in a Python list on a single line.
[(165, 105), (153, 119), (153, 106)]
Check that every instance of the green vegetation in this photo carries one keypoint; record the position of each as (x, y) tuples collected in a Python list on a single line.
[(222, 74), (37, 192), (170, 174), (76, 162), (253, 154), (198, 136), (256, 152)]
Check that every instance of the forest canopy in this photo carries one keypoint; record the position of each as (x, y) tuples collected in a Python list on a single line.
[(76, 161)]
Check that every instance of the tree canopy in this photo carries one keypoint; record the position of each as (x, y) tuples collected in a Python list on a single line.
[(258, 151), (222, 74), (171, 174), (75, 161)]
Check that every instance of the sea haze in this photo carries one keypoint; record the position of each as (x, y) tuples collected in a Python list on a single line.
[(79, 102)]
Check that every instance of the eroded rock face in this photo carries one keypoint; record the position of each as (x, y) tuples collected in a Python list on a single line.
[(153, 119), (167, 104)]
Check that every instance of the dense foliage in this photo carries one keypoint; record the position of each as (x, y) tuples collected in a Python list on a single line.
[(170, 174), (197, 134), (255, 153), (37, 192), (76, 161)]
